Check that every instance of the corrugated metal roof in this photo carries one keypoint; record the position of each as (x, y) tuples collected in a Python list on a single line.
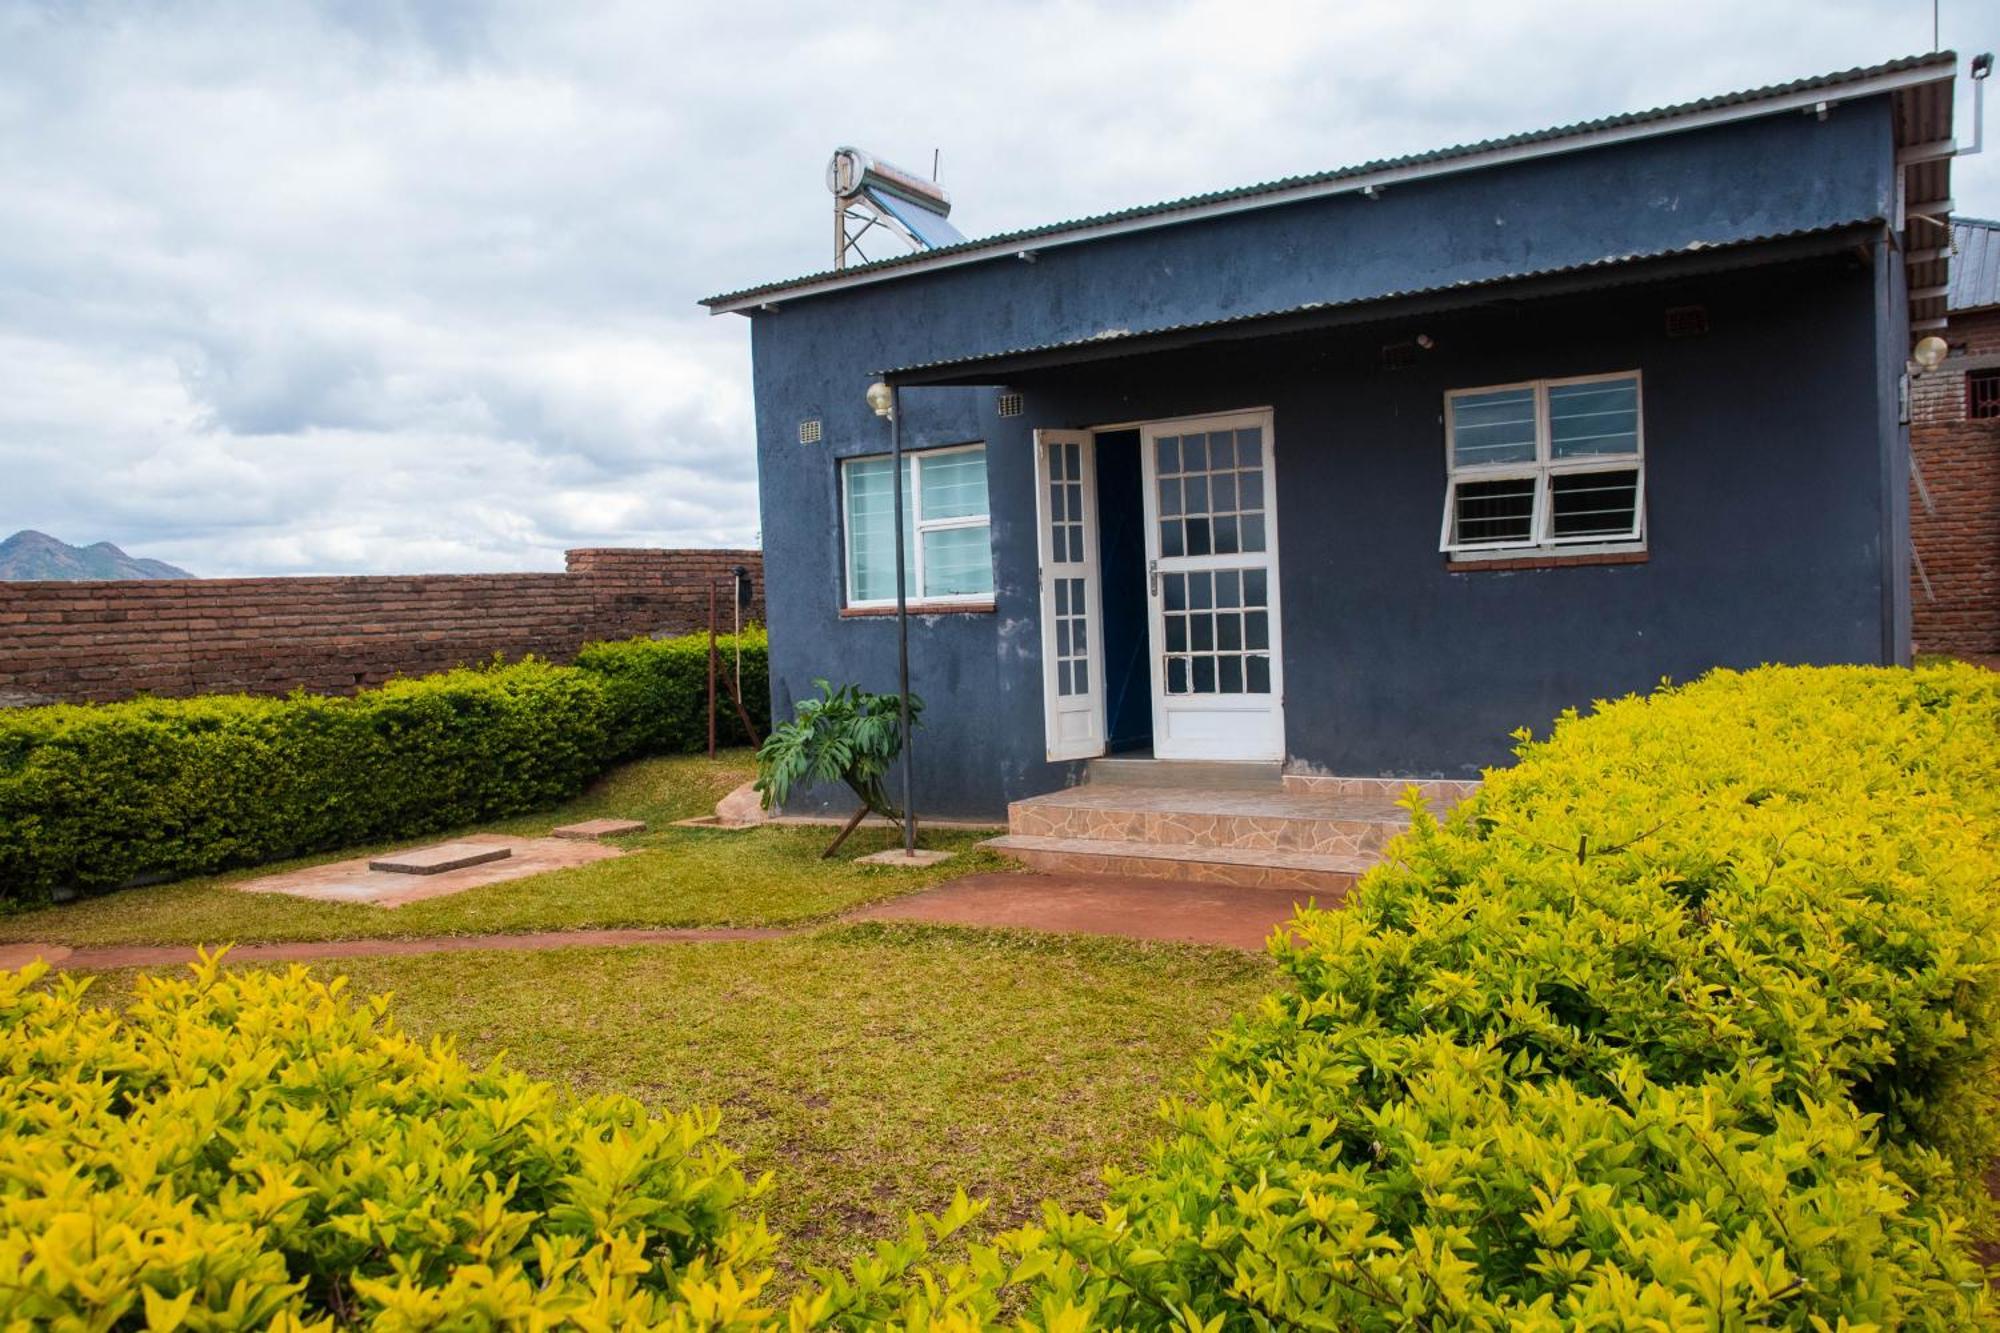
[(1975, 264), (1728, 254), (1945, 62)]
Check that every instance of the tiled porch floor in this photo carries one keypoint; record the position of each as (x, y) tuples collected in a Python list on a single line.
[(1267, 837)]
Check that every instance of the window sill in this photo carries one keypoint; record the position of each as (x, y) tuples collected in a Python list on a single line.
[(1543, 560), (920, 609)]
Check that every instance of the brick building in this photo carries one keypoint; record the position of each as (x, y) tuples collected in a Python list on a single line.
[(1955, 442)]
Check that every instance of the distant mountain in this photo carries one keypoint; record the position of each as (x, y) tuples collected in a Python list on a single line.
[(36, 555)]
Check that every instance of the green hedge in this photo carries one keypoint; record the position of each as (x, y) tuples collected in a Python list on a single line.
[(93, 796), (1688, 1020), (657, 690)]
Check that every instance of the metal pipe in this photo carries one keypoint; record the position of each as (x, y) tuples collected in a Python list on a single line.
[(1982, 65), (902, 618)]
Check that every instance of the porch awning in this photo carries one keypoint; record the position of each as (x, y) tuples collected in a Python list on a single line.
[(1598, 274)]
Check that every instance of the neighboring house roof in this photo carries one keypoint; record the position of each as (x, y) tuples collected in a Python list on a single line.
[(1591, 275), (1889, 77), (1975, 264)]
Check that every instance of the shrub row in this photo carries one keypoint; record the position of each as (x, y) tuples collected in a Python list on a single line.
[(95, 795), (1689, 1019)]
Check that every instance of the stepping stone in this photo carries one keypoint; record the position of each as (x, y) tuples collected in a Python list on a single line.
[(443, 856), (600, 828)]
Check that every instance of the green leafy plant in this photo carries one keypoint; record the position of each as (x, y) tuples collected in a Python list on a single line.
[(846, 735)]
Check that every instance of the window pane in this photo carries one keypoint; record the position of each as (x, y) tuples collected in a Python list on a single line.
[(1250, 488), (1222, 492), (958, 561), (870, 497), (1594, 504), (1601, 417), (1486, 512), (1169, 450), (1496, 427), (954, 484), (1259, 668), (1250, 448)]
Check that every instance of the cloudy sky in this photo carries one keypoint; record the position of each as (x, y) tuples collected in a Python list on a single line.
[(295, 288)]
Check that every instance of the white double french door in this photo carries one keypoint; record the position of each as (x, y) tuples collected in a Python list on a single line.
[(1072, 596), (1212, 588)]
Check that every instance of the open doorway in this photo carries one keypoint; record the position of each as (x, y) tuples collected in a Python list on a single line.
[(1121, 519)]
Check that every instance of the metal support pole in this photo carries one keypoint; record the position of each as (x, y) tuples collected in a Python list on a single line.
[(711, 668), (902, 616)]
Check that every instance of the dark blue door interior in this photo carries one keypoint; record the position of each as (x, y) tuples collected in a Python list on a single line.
[(1121, 526)]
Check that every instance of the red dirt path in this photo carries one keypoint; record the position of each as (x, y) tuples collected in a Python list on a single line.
[(1139, 909)]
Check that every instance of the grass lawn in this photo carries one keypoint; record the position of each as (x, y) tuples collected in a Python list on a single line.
[(675, 877), (870, 1068)]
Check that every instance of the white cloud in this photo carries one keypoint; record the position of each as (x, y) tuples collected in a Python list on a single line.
[(403, 286)]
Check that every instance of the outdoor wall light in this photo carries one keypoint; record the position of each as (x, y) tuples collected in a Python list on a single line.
[(1929, 353), (881, 398)]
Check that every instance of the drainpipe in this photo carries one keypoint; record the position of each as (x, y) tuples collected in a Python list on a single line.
[(1982, 65), (902, 618)]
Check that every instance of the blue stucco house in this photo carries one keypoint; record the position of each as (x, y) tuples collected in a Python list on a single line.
[(1355, 473)]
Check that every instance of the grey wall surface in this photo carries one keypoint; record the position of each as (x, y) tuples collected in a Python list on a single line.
[(1770, 505)]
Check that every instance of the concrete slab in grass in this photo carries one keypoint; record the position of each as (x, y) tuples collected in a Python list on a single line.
[(354, 882), (599, 828), (896, 856), (440, 857)]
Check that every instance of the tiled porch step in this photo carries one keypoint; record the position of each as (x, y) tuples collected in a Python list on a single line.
[(1209, 775), (1272, 820), (1327, 876)]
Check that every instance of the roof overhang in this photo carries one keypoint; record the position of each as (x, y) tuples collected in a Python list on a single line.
[(1917, 122), (1598, 275)]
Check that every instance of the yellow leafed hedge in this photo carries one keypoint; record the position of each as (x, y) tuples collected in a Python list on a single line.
[(1689, 1020), (250, 1149)]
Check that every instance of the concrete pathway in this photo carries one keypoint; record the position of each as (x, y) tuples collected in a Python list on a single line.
[(1139, 909), (1135, 909)]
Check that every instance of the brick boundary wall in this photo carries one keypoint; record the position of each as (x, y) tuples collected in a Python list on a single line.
[(95, 641), (1957, 538)]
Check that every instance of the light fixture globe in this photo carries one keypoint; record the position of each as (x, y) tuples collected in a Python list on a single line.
[(1929, 352), (882, 398)]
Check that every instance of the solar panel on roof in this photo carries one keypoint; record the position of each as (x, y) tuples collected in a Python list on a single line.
[(933, 229)]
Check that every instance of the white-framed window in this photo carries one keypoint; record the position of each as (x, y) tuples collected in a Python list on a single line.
[(1545, 465), (947, 532)]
